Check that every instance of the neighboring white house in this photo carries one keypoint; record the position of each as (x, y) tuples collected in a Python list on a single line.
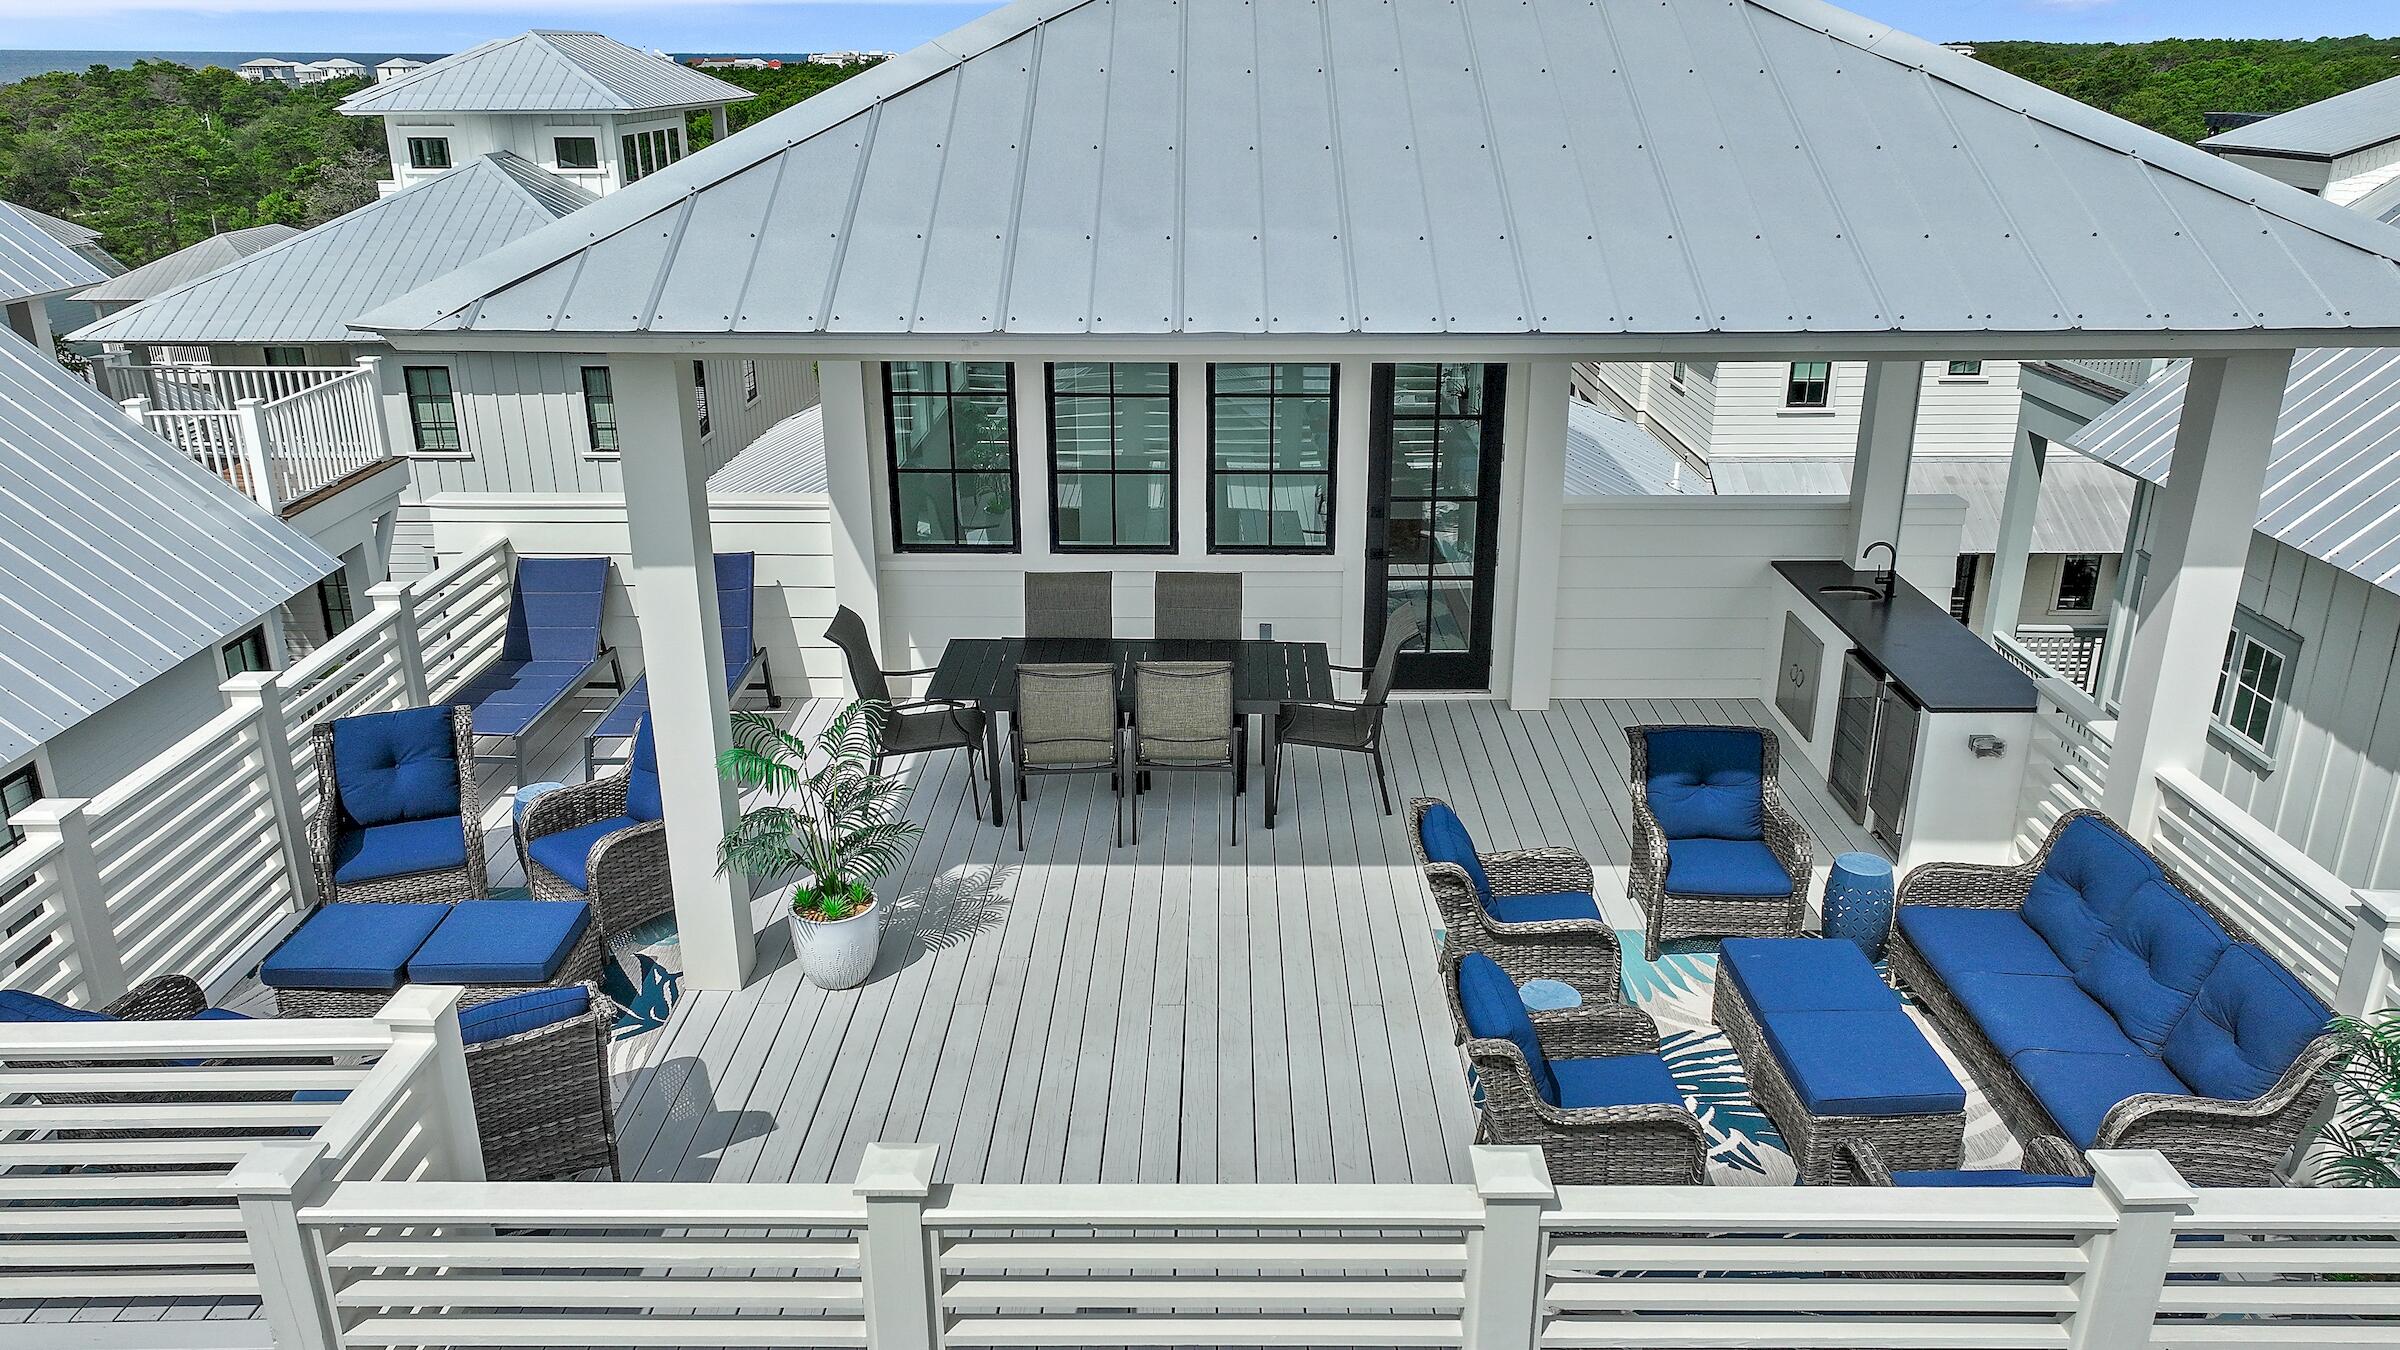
[(392, 68), (261, 69), (332, 68), (44, 261), (2341, 148)]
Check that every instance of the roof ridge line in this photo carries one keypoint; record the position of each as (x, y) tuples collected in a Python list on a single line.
[(381, 87), (597, 86)]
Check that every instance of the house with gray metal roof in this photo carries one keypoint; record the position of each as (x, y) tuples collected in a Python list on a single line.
[(161, 275), (42, 259), (2341, 148)]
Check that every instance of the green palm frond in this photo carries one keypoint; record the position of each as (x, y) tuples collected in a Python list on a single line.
[(827, 815), (2362, 1138)]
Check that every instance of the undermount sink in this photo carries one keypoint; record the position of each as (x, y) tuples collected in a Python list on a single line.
[(1850, 592)]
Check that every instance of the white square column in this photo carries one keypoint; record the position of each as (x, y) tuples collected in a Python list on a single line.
[(1887, 437), (852, 460), (2004, 599), (673, 574), (2200, 532), (1540, 530)]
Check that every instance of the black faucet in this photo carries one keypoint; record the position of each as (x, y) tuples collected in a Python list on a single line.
[(1889, 578)]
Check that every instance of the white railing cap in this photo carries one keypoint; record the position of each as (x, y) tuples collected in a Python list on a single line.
[(896, 1171), (2140, 1178)]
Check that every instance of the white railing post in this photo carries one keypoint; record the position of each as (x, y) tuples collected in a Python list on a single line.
[(2368, 973), (379, 432), (2118, 1296), (407, 642), (896, 1254), (295, 1290), (1506, 1254), (137, 411), (429, 1012), (250, 438), (63, 822), (259, 695)]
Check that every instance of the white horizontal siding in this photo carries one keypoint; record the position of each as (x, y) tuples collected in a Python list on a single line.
[(1971, 416)]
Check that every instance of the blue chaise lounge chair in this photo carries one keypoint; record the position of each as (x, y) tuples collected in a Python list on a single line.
[(552, 649), (737, 620)]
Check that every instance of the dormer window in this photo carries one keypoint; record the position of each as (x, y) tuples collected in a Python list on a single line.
[(429, 152), (576, 152)]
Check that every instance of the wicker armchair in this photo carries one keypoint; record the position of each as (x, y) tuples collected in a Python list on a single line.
[(2211, 1141), (1675, 915), (625, 870), (326, 830), (1651, 1144), (542, 1107), (1580, 952)]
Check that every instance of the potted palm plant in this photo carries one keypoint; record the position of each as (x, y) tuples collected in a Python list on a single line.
[(2361, 1141), (837, 828)]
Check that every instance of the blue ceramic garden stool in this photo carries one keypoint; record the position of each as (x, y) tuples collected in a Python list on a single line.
[(1858, 902)]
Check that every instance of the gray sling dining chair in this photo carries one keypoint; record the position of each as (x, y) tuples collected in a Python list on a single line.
[(1356, 728), (910, 727), (1206, 606), (1070, 605), (1066, 723), (1183, 721)]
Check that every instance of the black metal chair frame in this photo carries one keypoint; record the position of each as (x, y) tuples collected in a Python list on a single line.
[(1114, 766), (848, 632), (1237, 739), (1375, 700)]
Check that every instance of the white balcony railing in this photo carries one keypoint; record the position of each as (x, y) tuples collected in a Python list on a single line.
[(2068, 768), (321, 426), (198, 386)]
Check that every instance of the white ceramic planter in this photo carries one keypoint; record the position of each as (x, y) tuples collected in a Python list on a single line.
[(841, 954)]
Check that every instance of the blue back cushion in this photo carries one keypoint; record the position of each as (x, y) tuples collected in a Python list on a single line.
[(396, 766), (735, 617), (1707, 782), (1496, 1012), (2092, 873), (554, 609), (2249, 1022), (18, 1006), (2148, 965), (641, 777), (521, 1012), (1446, 841)]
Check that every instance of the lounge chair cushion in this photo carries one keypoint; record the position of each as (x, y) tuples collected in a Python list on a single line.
[(519, 1013), (1446, 840), (2077, 1087), (2040, 1012), (1986, 1177), (1495, 1011), (554, 610), (396, 766), (403, 848), (1706, 783), (1961, 943), (501, 942), (351, 946), (2148, 965), (1543, 908), (641, 778), (2248, 1024), (1615, 1080), (1779, 975), (2091, 874), (510, 697), (18, 1006), (1872, 1063), (1724, 867), (567, 853)]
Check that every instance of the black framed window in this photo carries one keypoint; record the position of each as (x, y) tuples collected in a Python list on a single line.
[(428, 152), (2078, 584), (432, 410), (1112, 456), (599, 411), (335, 603), (700, 394), (19, 789), (749, 381), (576, 152), (286, 356), (950, 432), (1270, 458), (1810, 385), (247, 653), (1965, 370)]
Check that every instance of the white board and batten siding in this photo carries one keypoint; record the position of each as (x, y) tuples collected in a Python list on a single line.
[(1955, 415)]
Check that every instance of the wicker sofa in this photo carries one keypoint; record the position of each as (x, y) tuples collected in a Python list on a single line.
[(2098, 999), (1531, 908)]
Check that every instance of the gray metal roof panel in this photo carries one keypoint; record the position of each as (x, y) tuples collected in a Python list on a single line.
[(1608, 456), (2084, 506), (2382, 204), (546, 70), (2327, 129), (789, 457), (119, 558), (35, 261), (64, 231), (186, 264)]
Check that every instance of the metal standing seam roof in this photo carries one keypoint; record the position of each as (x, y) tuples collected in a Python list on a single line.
[(64, 231), (35, 261), (119, 557), (307, 287), (1503, 167), (2327, 129), (2382, 204), (789, 457), (2084, 504), (1608, 456), (185, 264), (546, 70)]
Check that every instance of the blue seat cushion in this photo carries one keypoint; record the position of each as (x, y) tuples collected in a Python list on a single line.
[(1543, 908), (554, 609), (1960, 943), (642, 801), (567, 854), (1707, 782), (2078, 1087), (351, 946), (402, 848), (1446, 840), (2091, 874), (2039, 1012), (396, 766), (1724, 867), (2250, 1020), (529, 1011), (18, 1006), (501, 942), (510, 697), (1778, 975), (2148, 965), (1862, 1064), (1494, 1011), (1988, 1177), (1615, 1080)]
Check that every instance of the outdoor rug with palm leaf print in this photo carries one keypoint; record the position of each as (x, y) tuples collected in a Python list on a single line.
[(1744, 1149)]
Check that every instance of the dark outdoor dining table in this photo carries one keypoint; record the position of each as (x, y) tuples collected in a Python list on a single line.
[(1266, 675)]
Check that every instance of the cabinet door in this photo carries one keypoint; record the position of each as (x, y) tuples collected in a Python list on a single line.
[(1853, 737), (1895, 766)]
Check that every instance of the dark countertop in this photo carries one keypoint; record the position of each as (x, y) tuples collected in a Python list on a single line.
[(1935, 659)]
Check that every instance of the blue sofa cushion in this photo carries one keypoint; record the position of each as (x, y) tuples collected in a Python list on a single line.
[(350, 946), (2148, 965), (1961, 943), (2077, 1087), (1778, 975), (1862, 1064), (1446, 840), (18, 1006), (2249, 1022), (402, 848), (529, 1011), (500, 942), (568, 853), (396, 766), (2039, 1012), (1987, 1177), (1615, 1080), (641, 778), (1707, 783), (1495, 1011), (1543, 908), (2091, 873), (1724, 867)]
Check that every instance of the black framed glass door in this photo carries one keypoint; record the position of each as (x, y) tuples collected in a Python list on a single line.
[(1433, 515)]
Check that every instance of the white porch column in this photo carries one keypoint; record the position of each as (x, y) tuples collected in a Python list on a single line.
[(2003, 599), (2199, 542), (1887, 436), (851, 463), (675, 592), (1541, 524)]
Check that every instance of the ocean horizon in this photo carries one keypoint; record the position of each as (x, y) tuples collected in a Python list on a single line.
[(24, 63)]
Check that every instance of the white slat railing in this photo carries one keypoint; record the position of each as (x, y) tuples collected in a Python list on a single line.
[(2281, 1268), (276, 434), (38, 948), (2068, 766), (325, 433), (461, 612), (2299, 911)]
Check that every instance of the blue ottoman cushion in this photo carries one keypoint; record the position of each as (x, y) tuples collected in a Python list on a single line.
[(402, 848), (2078, 1087), (351, 946), (501, 942), (2249, 1023), (1543, 908), (530, 1011), (1494, 1011), (1862, 1064), (1446, 840), (18, 1006), (1615, 1080), (1803, 975), (568, 853), (396, 766), (1724, 867), (1960, 943), (1706, 782)]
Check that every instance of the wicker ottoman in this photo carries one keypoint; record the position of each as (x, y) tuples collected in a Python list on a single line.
[(346, 960), (1834, 1060)]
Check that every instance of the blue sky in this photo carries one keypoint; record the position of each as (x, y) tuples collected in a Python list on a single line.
[(819, 25)]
